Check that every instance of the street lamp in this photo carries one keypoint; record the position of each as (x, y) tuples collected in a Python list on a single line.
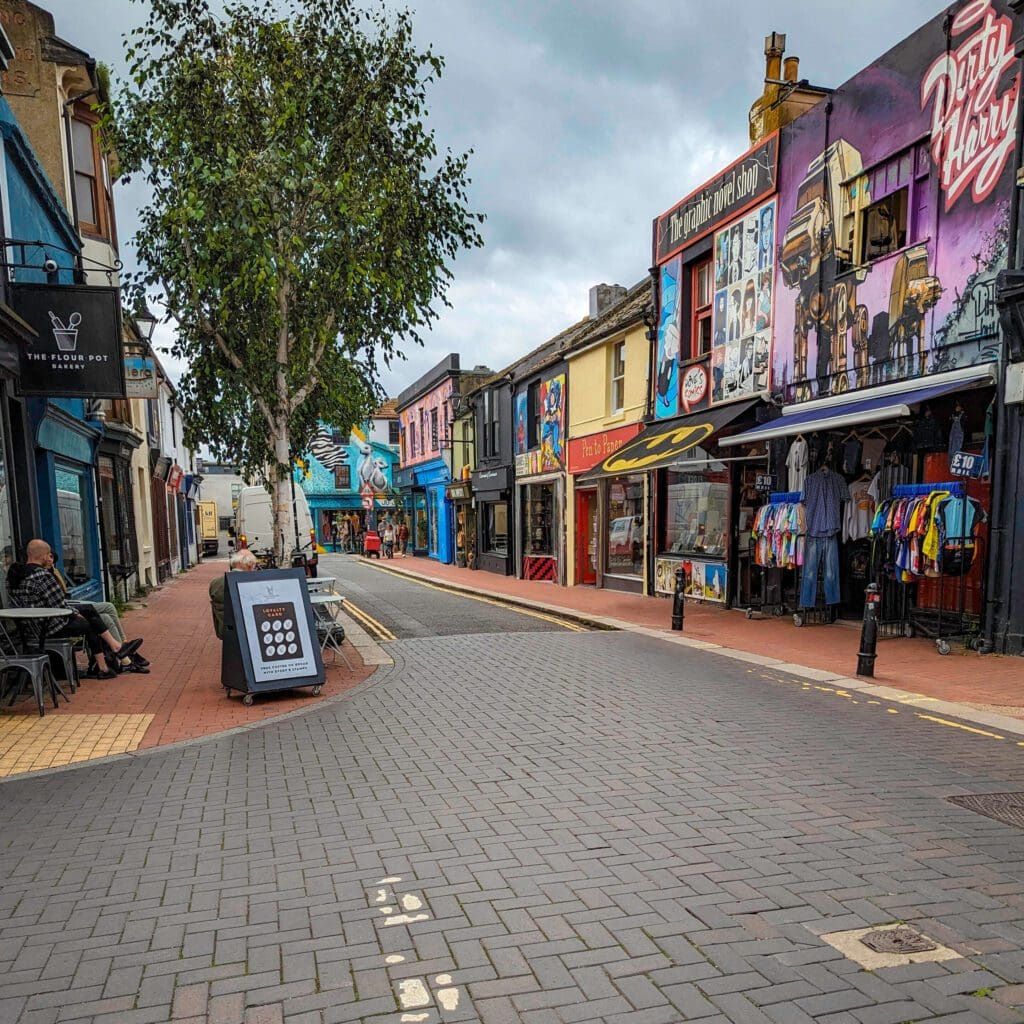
[(145, 324)]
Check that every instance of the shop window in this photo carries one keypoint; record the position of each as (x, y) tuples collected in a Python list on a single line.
[(495, 525), (412, 440), (434, 516), (533, 415), (538, 519), (618, 377), (342, 478), (703, 285), (491, 436), (73, 508), (91, 171), (433, 429), (887, 208), (696, 514), (393, 432), (625, 526)]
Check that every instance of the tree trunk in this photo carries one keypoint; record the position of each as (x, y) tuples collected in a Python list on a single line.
[(284, 529)]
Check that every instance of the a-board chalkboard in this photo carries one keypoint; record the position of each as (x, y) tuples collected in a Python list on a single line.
[(270, 640)]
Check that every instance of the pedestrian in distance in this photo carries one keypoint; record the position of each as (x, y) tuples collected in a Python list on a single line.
[(388, 536), (403, 538)]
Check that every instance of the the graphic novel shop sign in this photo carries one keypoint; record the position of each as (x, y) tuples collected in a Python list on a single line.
[(77, 352)]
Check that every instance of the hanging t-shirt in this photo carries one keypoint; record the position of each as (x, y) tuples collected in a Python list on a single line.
[(851, 455), (872, 450), (796, 463), (859, 511)]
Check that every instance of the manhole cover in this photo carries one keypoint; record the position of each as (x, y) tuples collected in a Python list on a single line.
[(1005, 807), (898, 940)]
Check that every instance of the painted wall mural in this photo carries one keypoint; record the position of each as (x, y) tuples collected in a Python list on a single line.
[(522, 426), (666, 397), (889, 245), (549, 455), (742, 318), (415, 425), (360, 461)]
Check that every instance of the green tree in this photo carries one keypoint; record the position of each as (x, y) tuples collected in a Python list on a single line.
[(302, 221)]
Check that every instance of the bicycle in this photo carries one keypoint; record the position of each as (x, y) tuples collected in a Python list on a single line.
[(265, 558)]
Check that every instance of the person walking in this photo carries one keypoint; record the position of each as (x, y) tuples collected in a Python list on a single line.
[(403, 538), (334, 535), (346, 535), (388, 536)]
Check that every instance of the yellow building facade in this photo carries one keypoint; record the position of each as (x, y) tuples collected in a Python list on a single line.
[(606, 519)]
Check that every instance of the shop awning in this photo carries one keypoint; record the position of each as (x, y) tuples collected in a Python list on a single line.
[(667, 441), (829, 414)]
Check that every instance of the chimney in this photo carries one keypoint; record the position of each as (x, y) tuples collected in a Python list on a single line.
[(791, 69), (774, 48), (604, 296)]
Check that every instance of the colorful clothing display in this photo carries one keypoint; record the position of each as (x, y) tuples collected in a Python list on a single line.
[(778, 534)]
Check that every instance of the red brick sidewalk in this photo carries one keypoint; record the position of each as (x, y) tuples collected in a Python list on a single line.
[(182, 690), (913, 665)]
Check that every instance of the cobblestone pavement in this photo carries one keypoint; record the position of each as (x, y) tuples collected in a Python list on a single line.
[(536, 827), (411, 609)]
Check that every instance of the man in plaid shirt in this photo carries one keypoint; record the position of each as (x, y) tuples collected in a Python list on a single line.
[(31, 584)]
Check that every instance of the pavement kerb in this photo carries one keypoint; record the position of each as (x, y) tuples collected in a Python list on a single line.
[(931, 705), (352, 631)]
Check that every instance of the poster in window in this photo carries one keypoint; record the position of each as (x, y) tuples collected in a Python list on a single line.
[(742, 314), (666, 397)]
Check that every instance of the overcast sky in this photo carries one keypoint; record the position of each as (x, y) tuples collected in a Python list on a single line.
[(587, 119)]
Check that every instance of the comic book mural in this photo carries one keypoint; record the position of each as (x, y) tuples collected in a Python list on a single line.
[(552, 423), (892, 222), (742, 318), (522, 427), (666, 396)]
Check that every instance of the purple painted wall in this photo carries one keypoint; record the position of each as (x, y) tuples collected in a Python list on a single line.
[(843, 321)]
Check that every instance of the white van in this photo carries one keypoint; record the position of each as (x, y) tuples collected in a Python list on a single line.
[(254, 520)]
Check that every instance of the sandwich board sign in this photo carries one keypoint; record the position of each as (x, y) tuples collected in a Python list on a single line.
[(270, 640)]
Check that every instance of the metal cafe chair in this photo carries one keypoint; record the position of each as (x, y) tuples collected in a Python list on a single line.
[(35, 666), (63, 651)]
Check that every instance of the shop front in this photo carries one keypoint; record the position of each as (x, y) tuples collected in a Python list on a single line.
[(540, 526), (460, 495), (611, 515), (430, 512), (117, 507), (492, 495)]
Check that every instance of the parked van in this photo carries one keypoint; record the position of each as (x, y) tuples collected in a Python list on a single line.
[(254, 520)]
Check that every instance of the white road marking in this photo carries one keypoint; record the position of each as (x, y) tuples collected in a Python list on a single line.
[(410, 902), (448, 998), (406, 919), (395, 958), (412, 993)]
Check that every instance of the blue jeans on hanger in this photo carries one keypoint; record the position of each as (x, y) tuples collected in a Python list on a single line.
[(826, 550)]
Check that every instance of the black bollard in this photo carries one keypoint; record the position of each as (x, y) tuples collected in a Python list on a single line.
[(678, 601), (869, 632)]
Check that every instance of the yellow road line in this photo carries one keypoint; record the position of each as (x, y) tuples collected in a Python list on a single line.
[(957, 725), (365, 619), (565, 623)]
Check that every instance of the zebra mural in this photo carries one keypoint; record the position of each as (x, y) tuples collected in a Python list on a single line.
[(328, 452)]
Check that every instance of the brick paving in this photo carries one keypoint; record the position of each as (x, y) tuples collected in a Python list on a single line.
[(992, 682), (542, 827), (182, 692)]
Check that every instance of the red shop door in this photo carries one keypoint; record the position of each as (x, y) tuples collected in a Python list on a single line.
[(586, 537), (936, 470)]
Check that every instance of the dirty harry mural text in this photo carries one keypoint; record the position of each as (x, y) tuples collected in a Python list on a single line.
[(892, 218)]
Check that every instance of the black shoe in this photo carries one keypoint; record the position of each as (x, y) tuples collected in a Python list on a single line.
[(139, 665), (128, 649), (94, 672), (138, 659)]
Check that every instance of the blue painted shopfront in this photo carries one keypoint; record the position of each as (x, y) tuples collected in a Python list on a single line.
[(433, 477), (65, 440)]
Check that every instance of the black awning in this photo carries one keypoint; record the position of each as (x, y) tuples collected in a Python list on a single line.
[(664, 442)]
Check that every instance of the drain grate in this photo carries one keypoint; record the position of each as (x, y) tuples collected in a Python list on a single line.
[(898, 940), (1005, 807)]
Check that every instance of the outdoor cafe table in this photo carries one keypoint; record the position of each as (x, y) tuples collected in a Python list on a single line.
[(26, 615), (325, 608), (321, 584)]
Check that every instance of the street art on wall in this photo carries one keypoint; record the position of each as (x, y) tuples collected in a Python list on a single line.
[(552, 423), (742, 317), (666, 397), (368, 463), (522, 427), (889, 245), (416, 425)]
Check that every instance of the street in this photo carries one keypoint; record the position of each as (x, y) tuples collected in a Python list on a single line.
[(521, 825)]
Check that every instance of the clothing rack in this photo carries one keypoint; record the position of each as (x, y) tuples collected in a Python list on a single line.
[(955, 488), (783, 497)]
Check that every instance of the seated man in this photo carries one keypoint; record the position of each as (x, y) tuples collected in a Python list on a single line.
[(240, 561), (106, 611), (31, 584)]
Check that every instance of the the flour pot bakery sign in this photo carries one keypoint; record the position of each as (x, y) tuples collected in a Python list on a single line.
[(77, 350), (737, 188)]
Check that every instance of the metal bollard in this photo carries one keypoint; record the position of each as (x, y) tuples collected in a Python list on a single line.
[(869, 632), (678, 601)]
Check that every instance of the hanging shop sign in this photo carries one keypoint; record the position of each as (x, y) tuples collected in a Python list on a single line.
[(726, 196), (77, 352), (694, 387), (458, 492), (586, 452), (269, 634), (140, 378), (969, 464), (174, 475)]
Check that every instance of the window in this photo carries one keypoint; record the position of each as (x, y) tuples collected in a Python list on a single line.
[(91, 176), (393, 432), (887, 208), (73, 509), (533, 415), (496, 527), (703, 276), (696, 514), (618, 393), (337, 437), (539, 519), (626, 526), (495, 423), (343, 478), (490, 423), (433, 429), (224, 523), (412, 440)]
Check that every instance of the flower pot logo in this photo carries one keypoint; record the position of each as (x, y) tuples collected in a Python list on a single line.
[(66, 336)]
